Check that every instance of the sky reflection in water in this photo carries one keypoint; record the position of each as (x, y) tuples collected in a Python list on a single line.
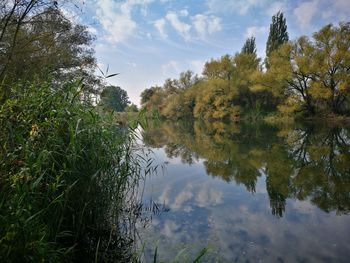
[(250, 192)]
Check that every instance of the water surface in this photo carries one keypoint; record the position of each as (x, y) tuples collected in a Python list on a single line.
[(248, 193)]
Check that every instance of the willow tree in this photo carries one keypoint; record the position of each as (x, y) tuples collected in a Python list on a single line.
[(331, 64), (214, 101), (219, 68), (311, 76)]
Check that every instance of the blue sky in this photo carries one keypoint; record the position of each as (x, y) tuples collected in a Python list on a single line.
[(147, 41)]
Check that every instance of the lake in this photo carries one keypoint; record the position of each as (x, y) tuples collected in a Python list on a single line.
[(247, 192)]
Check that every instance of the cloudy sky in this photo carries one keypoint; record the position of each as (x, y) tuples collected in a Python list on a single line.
[(147, 41)]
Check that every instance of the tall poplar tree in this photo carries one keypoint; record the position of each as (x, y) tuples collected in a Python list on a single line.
[(278, 33)]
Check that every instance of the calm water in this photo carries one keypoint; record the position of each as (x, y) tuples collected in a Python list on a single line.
[(252, 193)]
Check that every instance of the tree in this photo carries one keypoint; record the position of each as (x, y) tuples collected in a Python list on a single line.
[(249, 46), (114, 98), (147, 94), (331, 67), (214, 101), (221, 68), (131, 108), (312, 76), (246, 64), (37, 40), (186, 80), (278, 34)]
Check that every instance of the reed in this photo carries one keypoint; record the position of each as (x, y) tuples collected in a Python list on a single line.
[(68, 175)]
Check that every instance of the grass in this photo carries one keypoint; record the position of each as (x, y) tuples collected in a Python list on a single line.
[(67, 175)]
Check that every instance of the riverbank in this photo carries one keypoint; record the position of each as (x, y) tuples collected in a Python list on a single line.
[(67, 172)]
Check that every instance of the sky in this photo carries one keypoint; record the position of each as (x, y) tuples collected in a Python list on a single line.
[(148, 41)]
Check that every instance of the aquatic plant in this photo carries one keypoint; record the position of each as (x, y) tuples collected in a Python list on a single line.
[(67, 177)]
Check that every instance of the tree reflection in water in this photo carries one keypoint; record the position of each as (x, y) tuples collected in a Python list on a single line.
[(299, 162)]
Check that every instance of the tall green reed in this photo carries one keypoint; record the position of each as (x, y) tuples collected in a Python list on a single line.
[(67, 178)]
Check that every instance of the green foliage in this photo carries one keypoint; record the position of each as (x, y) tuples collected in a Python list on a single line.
[(331, 63), (310, 76), (215, 101), (249, 46), (114, 98), (62, 165), (302, 78), (37, 40), (67, 172), (147, 94), (131, 108), (278, 34), (186, 80), (221, 68)]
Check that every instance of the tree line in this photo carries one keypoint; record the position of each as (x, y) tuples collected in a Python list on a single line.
[(306, 77)]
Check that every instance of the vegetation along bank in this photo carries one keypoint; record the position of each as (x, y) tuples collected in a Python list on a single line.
[(306, 78)]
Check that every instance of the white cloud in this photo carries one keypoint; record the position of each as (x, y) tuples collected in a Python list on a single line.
[(237, 6), (160, 26), (116, 19), (128, 5), (205, 25), (182, 28), (200, 25), (255, 31), (214, 24), (121, 29), (305, 12)]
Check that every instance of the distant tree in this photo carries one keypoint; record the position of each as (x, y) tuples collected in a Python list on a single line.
[(114, 98), (278, 33), (186, 80), (147, 94), (249, 46), (131, 108), (219, 69), (214, 101), (170, 86)]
